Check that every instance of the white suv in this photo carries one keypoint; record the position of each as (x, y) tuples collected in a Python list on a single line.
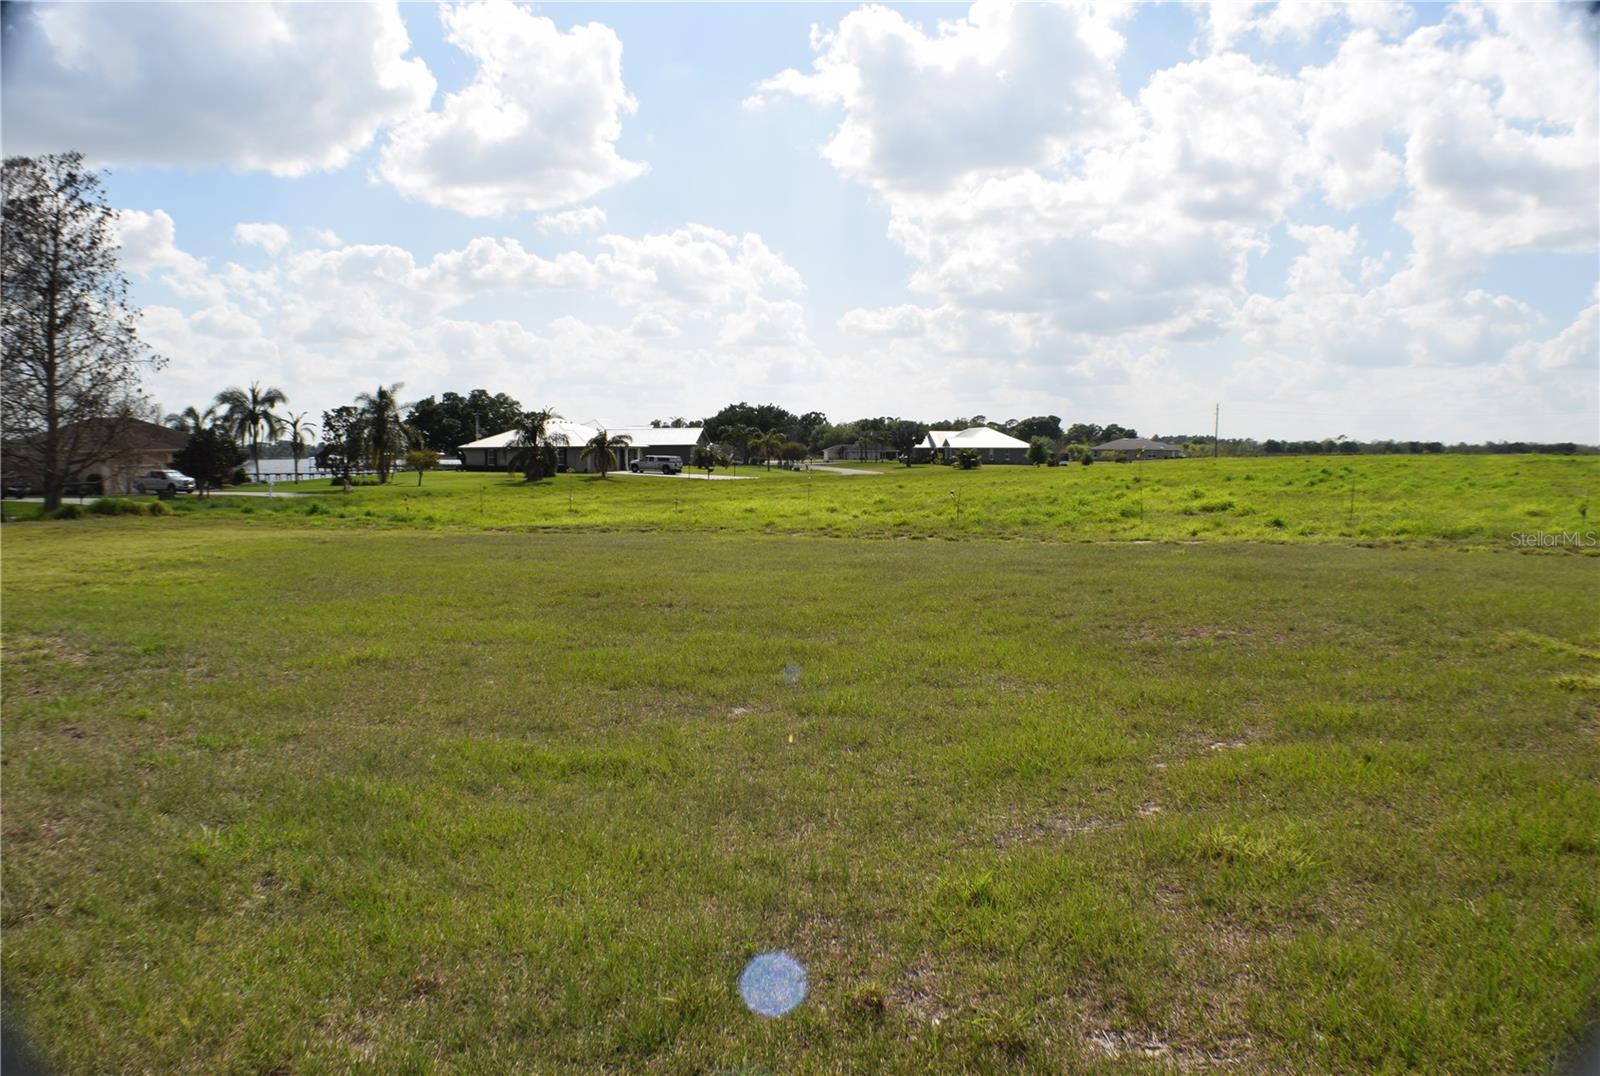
[(664, 464), (171, 481)]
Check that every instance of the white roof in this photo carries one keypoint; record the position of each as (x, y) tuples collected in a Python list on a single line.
[(577, 434), (650, 436), (973, 437)]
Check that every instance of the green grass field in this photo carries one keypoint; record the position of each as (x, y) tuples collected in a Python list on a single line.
[(409, 785), (1461, 500)]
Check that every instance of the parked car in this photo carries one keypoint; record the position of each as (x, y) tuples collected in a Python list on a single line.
[(16, 487), (663, 464), (168, 481)]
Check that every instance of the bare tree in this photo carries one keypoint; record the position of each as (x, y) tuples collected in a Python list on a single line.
[(72, 359)]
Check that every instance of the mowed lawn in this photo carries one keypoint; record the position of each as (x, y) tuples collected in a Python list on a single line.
[(309, 798), (1385, 500)]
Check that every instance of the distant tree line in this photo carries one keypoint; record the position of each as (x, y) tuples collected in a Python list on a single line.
[(1201, 444)]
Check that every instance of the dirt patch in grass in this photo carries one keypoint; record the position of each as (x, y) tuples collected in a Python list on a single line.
[(22, 646), (916, 993), (1052, 827)]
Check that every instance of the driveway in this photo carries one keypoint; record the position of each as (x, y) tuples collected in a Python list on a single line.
[(851, 471)]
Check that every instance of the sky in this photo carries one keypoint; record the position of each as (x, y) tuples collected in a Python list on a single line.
[(1364, 219)]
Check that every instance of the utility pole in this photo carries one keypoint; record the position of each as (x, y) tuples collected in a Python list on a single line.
[(1216, 424)]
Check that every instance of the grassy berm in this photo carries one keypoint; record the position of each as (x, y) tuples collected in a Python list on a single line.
[(287, 794)]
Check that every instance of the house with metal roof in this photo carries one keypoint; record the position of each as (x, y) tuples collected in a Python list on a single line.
[(991, 445), (1137, 448), (495, 453)]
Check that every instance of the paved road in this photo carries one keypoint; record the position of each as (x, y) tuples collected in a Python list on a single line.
[(214, 493), (686, 474)]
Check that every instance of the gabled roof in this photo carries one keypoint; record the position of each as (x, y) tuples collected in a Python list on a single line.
[(973, 437), (1135, 444)]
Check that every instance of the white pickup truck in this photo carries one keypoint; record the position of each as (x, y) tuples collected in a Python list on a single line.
[(159, 481)]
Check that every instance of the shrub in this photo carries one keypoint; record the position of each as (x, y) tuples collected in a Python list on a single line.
[(68, 511), (315, 509), (158, 508), (967, 459), (1086, 459), (115, 506), (239, 477)]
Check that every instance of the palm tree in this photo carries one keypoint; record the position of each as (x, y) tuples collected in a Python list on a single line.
[(247, 414), (771, 443), (299, 430), (603, 449), (533, 449), (192, 420), (739, 437), (388, 436)]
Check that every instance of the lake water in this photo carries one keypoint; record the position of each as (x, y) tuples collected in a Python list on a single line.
[(284, 470)]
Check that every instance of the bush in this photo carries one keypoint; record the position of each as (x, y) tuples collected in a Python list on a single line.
[(967, 459), (158, 508), (1086, 459), (239, 477), (115, 506), (68, 511), (315, 509)]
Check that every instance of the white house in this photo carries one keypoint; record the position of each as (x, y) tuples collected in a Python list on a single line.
[(495, 453), (991, 445)]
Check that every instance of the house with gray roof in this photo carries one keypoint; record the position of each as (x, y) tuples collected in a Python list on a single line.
[(1137, 448)]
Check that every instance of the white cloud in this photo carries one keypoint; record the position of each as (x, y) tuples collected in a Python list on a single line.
[(287, 88), (650, 326), (536, 128), (1006, 87), (894, 322), (1576, 348), (1395, 323), (765, 323), (271, 238), (1067, 250), (693, 266), (148, 242), (1225, 23), (343, 318), (326, 237), (572, 221), (1021, 181)]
